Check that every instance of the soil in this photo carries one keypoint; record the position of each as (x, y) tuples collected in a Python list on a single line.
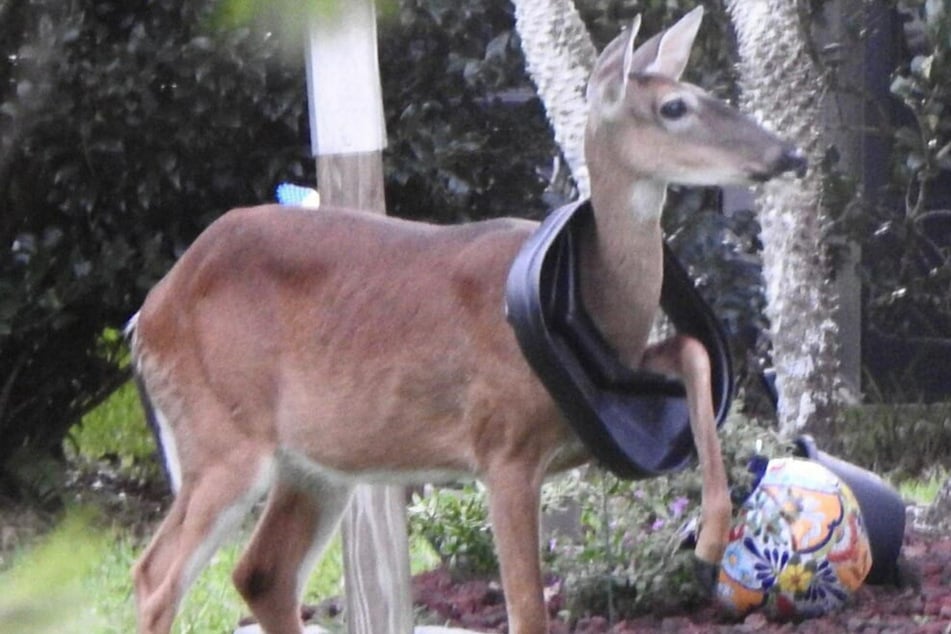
[(924, 606)]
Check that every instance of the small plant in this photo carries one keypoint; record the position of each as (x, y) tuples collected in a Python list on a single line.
[(631, 556), (456, 523)]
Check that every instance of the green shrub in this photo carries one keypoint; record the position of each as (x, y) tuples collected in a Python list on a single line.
[(455, 522), (125, 129)]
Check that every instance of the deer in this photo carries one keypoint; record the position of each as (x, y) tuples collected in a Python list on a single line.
[(293, 353)]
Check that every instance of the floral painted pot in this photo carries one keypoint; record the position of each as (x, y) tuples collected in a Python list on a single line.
[(798, 547)]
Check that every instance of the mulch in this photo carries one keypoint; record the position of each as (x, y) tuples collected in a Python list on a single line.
[(922, 607)]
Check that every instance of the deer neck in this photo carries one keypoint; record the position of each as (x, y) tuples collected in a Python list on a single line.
[(622, 261)]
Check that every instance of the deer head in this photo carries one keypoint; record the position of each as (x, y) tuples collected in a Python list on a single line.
[(654, 125)]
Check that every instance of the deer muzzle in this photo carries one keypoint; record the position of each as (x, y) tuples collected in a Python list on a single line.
[(788, 159), (792, 160)]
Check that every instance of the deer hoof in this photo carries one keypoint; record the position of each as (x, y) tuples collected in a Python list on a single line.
[(706, 575)]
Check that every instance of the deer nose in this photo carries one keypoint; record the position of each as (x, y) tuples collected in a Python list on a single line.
[(792, 159)]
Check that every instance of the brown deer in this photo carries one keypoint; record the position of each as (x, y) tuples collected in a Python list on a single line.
[(294, 353)]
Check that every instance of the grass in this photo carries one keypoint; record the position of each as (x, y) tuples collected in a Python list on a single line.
[(212, 604), (923, 490), (115, 428), (44, 590), (78, 579)]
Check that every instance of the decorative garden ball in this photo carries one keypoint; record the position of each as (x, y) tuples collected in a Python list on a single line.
[(798, 548)]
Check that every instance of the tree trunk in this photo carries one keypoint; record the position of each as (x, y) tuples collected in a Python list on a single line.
[(559, 56), (783, 88)]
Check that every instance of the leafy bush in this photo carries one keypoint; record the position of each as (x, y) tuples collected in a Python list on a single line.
[(467, 136), (126, 129), (455, 522)]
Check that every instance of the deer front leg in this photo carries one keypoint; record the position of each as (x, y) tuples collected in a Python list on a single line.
[(514, 506), (687, 358)]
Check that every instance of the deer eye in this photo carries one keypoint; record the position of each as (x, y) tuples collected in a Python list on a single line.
[(673, 109)]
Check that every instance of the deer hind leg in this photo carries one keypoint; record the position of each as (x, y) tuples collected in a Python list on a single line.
[(295, 527), (208, 508), (514, 506), (686, 357)]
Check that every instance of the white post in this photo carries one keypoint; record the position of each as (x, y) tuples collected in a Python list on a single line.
[(348, 135)]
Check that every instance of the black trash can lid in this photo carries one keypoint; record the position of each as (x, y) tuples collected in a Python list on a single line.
[(634, 422)]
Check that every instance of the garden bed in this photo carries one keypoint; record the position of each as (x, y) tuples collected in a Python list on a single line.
[(478, 604), (923, 608)]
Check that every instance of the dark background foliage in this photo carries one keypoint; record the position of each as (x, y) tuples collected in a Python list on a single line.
[(126, 128), (903, 221), (467, 136)]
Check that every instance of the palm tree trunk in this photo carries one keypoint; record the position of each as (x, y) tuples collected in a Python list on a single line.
[(559, 56), (784, 89)]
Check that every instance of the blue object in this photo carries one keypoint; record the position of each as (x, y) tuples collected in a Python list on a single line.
[(633, 421), (297, 196)]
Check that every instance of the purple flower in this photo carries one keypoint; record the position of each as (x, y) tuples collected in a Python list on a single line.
[(678, 506)]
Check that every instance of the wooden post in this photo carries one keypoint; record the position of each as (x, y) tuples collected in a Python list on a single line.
[(351, 180), (347, 132)]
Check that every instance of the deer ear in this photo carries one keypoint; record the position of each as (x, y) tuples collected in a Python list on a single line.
[(673, 49), (609, 76), (629, 48)]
